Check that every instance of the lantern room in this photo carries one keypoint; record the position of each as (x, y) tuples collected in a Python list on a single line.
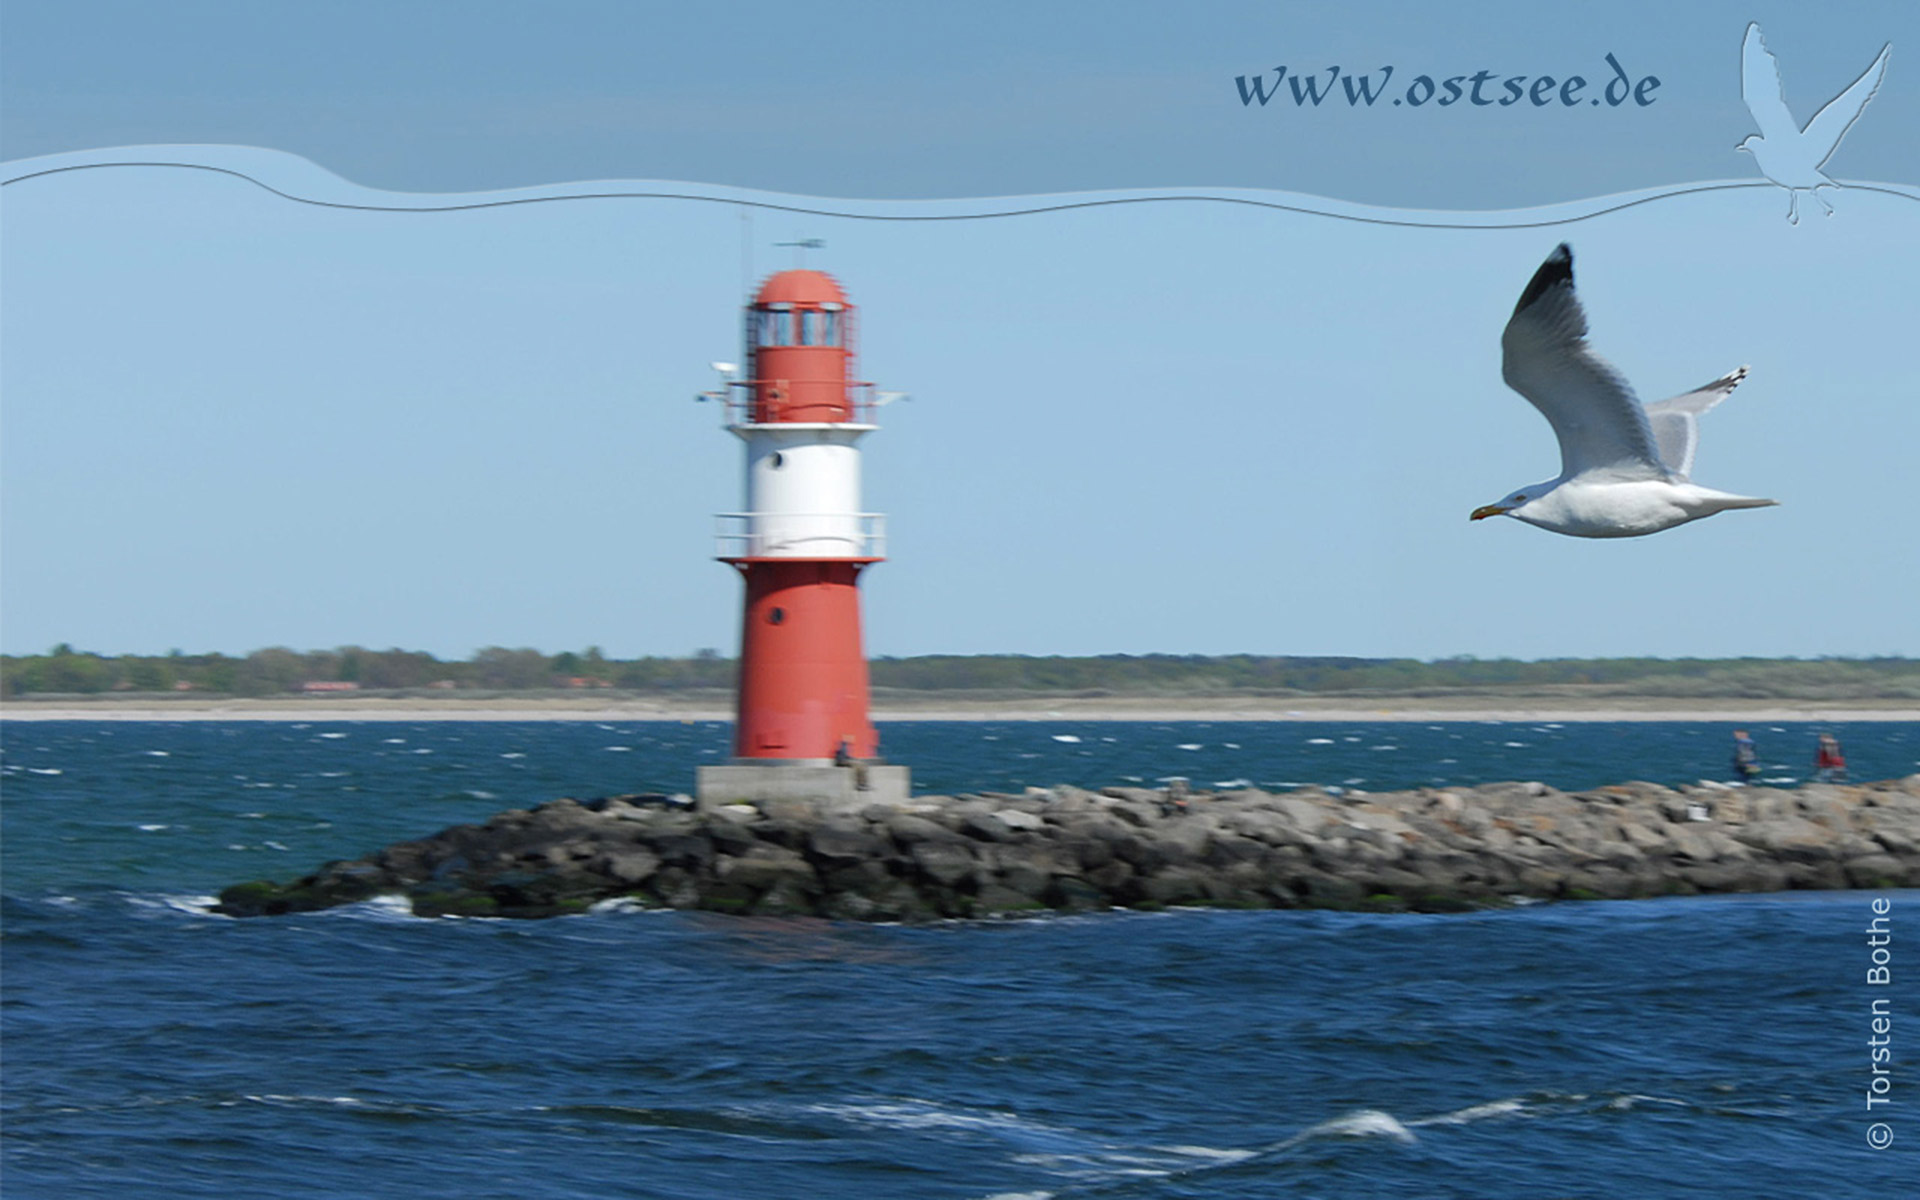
[(800, 350)]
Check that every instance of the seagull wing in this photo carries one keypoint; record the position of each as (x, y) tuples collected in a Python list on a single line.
[(1831, 123), (1760, 87), (1676, 429), (1545, 358)]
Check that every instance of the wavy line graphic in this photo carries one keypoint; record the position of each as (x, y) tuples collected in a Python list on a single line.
[(300, 180)]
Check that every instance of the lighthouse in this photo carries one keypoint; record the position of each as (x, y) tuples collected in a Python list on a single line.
[(802, 728)]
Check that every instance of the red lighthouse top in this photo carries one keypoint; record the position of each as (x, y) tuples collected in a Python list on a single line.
[(800, 350), (801, 287)]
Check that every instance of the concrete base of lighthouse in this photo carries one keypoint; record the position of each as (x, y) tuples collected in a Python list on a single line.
[(830, 787)]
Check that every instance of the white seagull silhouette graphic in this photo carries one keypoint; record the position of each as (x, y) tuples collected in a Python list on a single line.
[(1624, 469), (1786, 153)]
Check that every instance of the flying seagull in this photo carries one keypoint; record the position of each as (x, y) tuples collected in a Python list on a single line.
[(1623, 468), (1787, 154)]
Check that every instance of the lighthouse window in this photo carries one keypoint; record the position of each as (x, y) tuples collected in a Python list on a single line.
[(779, 460), (776, 329), (776, 615), (810, 329), (832, 322)]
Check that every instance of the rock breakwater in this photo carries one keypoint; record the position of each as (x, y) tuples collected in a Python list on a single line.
[(1069, 849)]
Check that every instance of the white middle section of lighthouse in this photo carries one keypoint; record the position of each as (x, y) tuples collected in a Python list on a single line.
[(803, 494)]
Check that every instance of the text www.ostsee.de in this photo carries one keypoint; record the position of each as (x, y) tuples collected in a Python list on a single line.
[(1482, 89)]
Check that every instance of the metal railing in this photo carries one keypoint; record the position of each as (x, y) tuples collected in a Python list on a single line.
[(801, 535), (739, 402)]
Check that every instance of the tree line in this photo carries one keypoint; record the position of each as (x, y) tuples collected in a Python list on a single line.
[(278, 670)]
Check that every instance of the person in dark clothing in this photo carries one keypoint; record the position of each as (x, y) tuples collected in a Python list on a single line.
[(1746, 757)]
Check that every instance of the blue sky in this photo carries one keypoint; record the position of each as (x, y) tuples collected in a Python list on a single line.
[(230, 421)]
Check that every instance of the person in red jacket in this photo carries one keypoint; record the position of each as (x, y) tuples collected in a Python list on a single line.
[(1829, 764)]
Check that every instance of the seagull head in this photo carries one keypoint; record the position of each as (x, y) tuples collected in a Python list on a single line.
[(1514, 503)]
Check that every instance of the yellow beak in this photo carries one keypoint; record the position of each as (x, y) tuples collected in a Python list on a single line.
[(1487, 510)]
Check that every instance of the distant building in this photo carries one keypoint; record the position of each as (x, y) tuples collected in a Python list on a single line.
[(328, 685)]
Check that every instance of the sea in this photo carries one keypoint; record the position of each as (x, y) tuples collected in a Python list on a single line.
[(1684, 1047)]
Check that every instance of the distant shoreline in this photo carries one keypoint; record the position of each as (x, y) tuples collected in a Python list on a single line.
[(936, 707)]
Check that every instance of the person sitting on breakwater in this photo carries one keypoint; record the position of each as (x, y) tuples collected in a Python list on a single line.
[(1746, 757), (1829, 764)]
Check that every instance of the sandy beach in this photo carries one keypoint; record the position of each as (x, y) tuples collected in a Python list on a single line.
[(934, 707)]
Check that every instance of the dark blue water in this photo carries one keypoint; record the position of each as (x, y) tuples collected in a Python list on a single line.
[(1705, 1047)]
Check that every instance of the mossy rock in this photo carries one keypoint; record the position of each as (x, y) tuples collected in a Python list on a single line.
[(256, 898), (1385, 902), (436, 903), (1445, 904)]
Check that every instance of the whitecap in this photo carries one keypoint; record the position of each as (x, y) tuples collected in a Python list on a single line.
[(1493, 1108), (1369, 1122), (914, 1114), (1629, 1101), (1319, 741), (158, 754), (621, 904), (393, 741), (1383, 747), (1190, 746), (1068, 738), (152, 828), (423, 750), (1231, 745), (333, 736), (1350, 739), (1233, 783), (1515, 745), (386, 907), (45, 771), (273, 845), (513, 754), (618, 749), (191, 905)]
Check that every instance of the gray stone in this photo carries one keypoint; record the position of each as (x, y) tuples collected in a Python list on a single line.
[(986, 827), (946, 862)]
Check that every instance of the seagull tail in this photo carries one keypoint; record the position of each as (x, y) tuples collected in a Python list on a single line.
[(1722, 501)]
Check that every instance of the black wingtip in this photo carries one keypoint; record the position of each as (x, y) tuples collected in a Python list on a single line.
[(1556, 270)]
